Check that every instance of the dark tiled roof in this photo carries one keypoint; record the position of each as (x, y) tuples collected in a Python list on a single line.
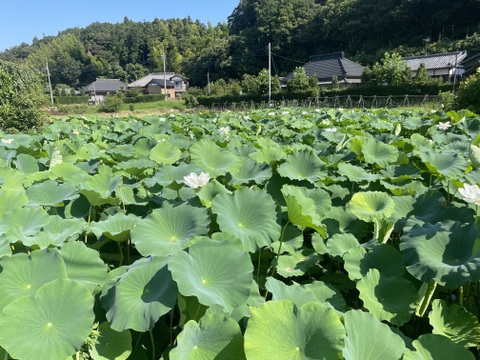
[(325, 66), (160, 82), (106, 85), (155, 76), (436, 61)]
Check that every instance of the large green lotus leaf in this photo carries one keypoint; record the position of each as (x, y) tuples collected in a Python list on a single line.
[(280, 330), (355, 173), (224, 279), (22, 224), (376, 152), (368, 338), (50, 193), (251, 171), (317, 291), (52, 324), (437, 347), (450, 257), (70, 174), (370, 206), (141, 295), (269, 154), (23, 275), (307, 207), (121, 152), (209, 191), (296, 264), (248, 214), (116, 227), (99, 188), (213, 337), (341, 220), (165, 153), (388, 298), (447, 163), (454, 322), (167, 174), (214, 160), (111, 344), (12, 199), (291, 242), (83, 264), (303, 165), (169, 229), (11, 179), (135, 167), (143, 146), (339, 244), (26, 164), (384, 258), (58, 231)]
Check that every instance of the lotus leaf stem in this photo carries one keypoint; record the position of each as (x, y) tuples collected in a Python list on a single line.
[(427, 298), (152, 341), (460, 295)]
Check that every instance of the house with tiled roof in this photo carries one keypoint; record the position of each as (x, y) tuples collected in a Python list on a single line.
[(326, 67), (100, 88), (444, 65), (156, 83)]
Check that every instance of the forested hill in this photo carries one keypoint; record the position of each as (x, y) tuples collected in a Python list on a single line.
[(363, 29)]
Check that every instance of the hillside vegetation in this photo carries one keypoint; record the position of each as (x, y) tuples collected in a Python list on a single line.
[(296, 29)]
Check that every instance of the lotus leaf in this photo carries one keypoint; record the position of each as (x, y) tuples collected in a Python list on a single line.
[(169, 229), (111, 344), (303, 165), (50, 193), (454, 322), (212, 159), (376, 152), (213, 337), (51, 324), (140, 296), (281, 330), (164, 153), (368, 338), (249, 215), (388, 298), (307, 207), (116, 227), (371, 205), (448, 255), (437, 347), (224, 279)]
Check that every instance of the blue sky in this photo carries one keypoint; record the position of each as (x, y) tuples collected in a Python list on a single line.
[(22, 20)]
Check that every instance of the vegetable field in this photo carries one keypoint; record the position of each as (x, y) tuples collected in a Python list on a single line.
[(274, 234)]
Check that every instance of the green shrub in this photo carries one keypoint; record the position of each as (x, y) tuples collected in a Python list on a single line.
[(21, 98), (468, 96), (447, 100), (112, 104)]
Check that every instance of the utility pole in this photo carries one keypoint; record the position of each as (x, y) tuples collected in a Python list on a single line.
[(269, 72), (208, 83), (164, 75), (50, 84)]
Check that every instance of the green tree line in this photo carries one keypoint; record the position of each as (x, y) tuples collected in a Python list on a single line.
[(297, 29)]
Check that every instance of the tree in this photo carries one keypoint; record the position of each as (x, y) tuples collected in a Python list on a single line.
[(422, 77), (468, 96), (391, 71), (21, 98), (300, 80)]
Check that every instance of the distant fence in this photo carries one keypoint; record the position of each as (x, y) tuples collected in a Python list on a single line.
[(343, 101)]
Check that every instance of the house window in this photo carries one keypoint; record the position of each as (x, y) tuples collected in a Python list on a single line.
[(178, 85)]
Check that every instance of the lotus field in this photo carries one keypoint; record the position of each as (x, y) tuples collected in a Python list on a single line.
[(275, 234)]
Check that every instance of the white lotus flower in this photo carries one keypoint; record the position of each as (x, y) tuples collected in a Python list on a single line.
[(271, 113), (76, 131), (224, 130), (247, 118), (304, 113), (196, 181), (333, 129), (470, 193), (7, 141), (285, 113), (444, 125), (162, 119)]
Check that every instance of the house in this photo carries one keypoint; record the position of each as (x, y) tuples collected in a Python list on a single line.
[(100, 88), (471, 64), (444, 65), (326, 67), (156, 83)]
